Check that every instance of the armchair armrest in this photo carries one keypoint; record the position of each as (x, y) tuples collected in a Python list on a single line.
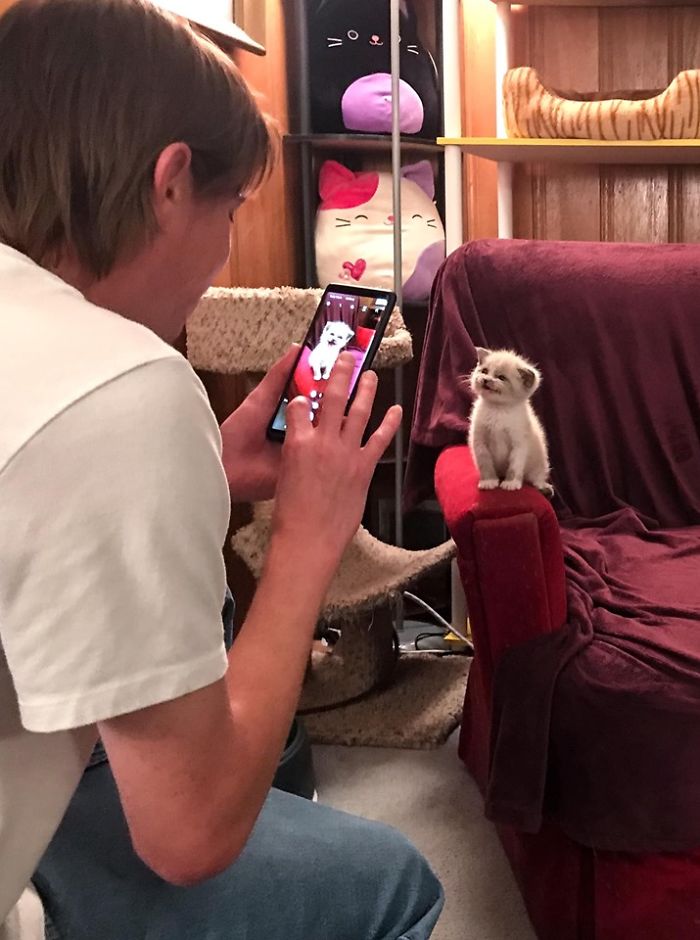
[(509, 554)]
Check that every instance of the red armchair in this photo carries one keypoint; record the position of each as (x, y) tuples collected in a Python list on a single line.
[(510, 558), (608, 582)]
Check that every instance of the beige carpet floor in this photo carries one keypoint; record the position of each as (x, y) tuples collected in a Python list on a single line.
[(429, 796)]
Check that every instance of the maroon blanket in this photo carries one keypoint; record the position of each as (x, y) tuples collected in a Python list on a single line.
[(598, 725)]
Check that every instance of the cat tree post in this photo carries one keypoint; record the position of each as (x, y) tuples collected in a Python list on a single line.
[(395, 30), (505, 170), (454, 221), (452, 119)]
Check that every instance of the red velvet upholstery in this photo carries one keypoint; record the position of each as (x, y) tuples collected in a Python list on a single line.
[(511, 562), (510, 546)]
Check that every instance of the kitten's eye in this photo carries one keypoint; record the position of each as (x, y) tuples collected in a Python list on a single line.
[(342, 223), (334, 41), (417, 215), (502, 378), (361, 216), (353, 34), (484, 370)]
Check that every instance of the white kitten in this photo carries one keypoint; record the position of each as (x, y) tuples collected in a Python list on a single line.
[(334, 338), (505, 436)]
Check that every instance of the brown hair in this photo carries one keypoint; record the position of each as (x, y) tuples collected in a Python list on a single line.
[(91, 92)]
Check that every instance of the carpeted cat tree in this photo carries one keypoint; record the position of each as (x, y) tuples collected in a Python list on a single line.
[(243, 332)]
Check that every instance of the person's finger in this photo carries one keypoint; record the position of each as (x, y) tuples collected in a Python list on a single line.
[(361, 409), (383, 436), (270, 388), (335, 395), (298, 417)]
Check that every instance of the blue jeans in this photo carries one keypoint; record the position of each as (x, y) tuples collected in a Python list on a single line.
[(307, 873)]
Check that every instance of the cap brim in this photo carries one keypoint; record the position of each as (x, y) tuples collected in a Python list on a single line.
[(230, 34), (224, 31)]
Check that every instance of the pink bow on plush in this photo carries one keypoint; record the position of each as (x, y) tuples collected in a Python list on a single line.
[(357, 269)]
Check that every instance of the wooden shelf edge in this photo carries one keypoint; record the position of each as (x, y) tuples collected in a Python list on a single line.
[(361, 142), (521, 150)]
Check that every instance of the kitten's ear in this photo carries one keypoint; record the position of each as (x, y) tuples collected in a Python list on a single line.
[(482, 354), (530, 378)]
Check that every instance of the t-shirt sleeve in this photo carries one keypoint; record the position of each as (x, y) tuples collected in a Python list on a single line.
[(111, 570)]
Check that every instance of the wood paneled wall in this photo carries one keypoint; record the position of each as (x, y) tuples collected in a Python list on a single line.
[(265, 240), (479, 115), (587, 49)]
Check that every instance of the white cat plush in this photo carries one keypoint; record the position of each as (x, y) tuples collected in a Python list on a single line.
[(355, 229), (334, 338), (505, 435)]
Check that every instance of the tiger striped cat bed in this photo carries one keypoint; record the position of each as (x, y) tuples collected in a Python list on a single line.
[(532, 110)]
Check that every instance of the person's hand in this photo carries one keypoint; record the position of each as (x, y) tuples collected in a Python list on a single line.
[(326, 472), (250, 460)]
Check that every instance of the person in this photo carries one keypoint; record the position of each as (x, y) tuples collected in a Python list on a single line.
[(128, 141)]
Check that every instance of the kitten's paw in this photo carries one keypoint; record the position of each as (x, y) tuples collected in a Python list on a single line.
[(512, 485), (488, 484), (547, 490)]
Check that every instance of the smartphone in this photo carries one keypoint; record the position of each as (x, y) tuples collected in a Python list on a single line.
[(348, 319)]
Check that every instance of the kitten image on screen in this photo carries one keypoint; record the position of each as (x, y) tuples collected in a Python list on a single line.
[(333, 341), (505, 435)]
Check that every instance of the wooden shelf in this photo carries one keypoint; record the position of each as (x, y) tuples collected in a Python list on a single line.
[(363, 142), (523, 150)]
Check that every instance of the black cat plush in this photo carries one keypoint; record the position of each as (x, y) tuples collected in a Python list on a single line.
[(350, 70)]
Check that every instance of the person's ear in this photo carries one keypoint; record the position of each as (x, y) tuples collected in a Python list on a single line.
[(172, 182)]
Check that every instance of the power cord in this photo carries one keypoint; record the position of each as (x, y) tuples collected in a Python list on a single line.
[(448, 628)]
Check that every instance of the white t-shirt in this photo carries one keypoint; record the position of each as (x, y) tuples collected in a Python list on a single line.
[(113, 513)]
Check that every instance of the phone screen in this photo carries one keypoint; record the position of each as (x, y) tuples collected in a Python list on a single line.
[(344, 322)]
